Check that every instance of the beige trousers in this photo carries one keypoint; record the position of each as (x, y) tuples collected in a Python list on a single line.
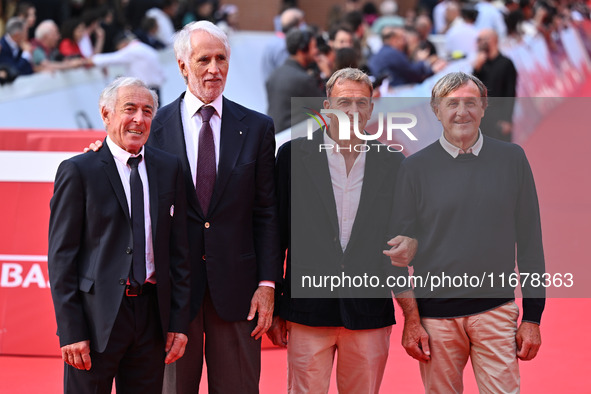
[(487, 338), (361, 358)]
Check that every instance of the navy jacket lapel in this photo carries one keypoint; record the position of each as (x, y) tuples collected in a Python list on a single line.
[(113, 175), (152, 170), (316, 164), (233, 133)]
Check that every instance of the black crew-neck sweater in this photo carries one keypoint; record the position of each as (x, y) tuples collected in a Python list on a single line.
[(471, 215)]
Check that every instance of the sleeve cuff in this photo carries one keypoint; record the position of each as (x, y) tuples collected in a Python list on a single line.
[(532, 309), (267, 283)]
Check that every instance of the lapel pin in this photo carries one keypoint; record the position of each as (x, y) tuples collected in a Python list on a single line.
[(172, 210), (240, 132)]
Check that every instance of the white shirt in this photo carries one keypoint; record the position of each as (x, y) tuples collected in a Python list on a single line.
[(454, 151), (121, 156), (346, 189), (461, 37), (490, 17), (192, 121), (439, 16), (165, 31), (85, 46), (140, 59)]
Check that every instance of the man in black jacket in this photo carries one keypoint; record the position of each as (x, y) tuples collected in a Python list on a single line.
[(118, 253), (292, 79), (335, 199), (499, 75)]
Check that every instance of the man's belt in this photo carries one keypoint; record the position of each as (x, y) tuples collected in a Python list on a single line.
[(146, 289)]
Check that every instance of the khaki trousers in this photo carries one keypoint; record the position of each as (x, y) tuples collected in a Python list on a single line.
[(487, 338), (361, 358)]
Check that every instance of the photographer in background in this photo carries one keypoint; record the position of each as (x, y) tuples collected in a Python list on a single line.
[(498, 73)]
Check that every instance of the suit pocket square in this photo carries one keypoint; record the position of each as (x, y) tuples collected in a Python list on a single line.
[(172, 210)]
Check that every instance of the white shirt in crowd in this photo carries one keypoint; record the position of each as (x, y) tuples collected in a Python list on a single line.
[(461, 37), (165, 26), (490, 17), (86, 47), (140, 59)]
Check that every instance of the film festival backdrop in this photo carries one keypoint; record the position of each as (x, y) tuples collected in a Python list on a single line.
[(29, 156)]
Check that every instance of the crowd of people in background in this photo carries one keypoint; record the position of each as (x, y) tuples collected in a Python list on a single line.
[(395, 49), (392, 47), (47, 35)]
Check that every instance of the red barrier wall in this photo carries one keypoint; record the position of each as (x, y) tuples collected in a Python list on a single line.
[(27, 320)]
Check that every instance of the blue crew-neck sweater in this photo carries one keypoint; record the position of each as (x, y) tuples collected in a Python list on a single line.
[(473, 217)]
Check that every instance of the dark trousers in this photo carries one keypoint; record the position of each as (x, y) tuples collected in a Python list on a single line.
[(233, 357), (134, 356)]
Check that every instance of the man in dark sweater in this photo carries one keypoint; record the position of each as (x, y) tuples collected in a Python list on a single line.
[(499, 75), (471, 202)]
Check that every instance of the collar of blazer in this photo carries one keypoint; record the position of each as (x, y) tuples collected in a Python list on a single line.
[(167, 132)]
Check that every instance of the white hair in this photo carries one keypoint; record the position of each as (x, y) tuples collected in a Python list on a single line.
[(108, 96), (182, 39), (44, 28)]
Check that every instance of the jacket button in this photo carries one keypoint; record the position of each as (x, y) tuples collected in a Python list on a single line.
[(129, 250), (203, 257), (206, 225), (121, 281)]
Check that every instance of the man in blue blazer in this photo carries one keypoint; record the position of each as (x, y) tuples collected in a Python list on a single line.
[(228, 161), (118, 253), (11, 47)]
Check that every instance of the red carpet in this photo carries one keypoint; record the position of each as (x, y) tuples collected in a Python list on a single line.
[(558, 153)]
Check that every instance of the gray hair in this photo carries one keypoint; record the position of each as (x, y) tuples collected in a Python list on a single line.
[(44, 28), (108, 96), (290, 18), (182, 38), (15, 25), (453, 81), (348, 74)]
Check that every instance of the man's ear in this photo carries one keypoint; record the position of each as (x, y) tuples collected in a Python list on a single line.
[(105, 115), (182, 68), (436, 111), (326, 104)]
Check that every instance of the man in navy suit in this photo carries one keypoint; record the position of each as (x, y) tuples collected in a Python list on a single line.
[(118, 253), (11, 47), (232, 217)]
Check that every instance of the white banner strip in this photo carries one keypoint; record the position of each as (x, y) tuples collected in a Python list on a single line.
[(31, 166), (22, 257)]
